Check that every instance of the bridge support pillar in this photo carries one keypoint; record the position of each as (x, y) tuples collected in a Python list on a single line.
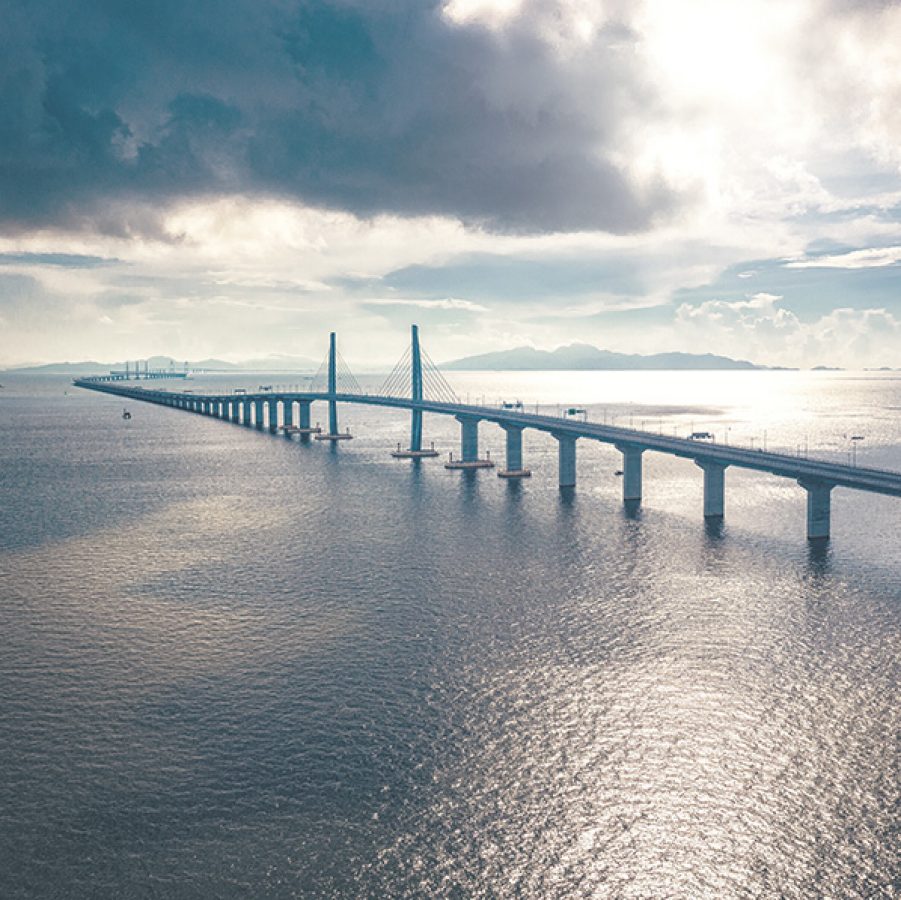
[(258, 413), (566, 459), (469, 447), (304, 421), (273, 415), (631, 472), (288, 413), (714, 488), (514, 467), (469, 439), (236, 410), (819, 508), (245, 412)]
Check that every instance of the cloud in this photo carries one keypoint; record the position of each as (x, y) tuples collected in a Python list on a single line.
[(368, 107), (62, 260), (760, 329), (854, 259), (446, 303)]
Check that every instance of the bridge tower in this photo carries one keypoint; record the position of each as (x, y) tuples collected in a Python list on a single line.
[(415, 389), (332, 391), (332, 384), (415, 450)]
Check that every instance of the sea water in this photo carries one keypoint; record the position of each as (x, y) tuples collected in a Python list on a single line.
[(237, 665)]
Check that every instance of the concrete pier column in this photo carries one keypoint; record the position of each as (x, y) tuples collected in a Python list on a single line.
[(288, 413), (258, 413), (714, 488), (273, 414), (819, 508), (514, 468), (245, 412), (566, 457), (236, 410), (304, 421), (631, 471), (514, 448), (469, 438)]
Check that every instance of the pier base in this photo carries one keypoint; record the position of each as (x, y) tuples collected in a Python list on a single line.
[(347, 436), (414, 454), (469, 464), (296, 429), (514, 473)]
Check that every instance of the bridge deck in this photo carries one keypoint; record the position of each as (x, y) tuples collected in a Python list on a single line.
[(802, 469)]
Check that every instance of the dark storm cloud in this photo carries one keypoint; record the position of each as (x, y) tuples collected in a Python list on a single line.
[(109, 108)]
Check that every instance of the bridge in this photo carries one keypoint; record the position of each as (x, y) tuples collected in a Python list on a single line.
[(140, 372), (334, 384)]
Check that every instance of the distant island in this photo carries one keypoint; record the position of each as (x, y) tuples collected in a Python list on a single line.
[(91, 367), (587, 357)]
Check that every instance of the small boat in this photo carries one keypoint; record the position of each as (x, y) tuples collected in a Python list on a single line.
[(618, 472), (126, 414)]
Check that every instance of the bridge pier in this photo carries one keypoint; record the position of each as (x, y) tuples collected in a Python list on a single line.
[(714, 488), (631, 472), (566, 459), (258, 414), (514, 467), (273, 415), (819, 508), (469, 446), (287, 413), (245, 413), (235, 410)]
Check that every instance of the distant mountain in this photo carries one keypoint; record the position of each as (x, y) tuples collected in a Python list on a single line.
[(264, 364), (584, 356), (63, 368)]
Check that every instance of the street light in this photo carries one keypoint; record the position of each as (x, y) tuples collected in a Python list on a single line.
[(854, 439)]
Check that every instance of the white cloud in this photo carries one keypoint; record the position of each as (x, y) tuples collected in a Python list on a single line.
[(446, 303), (875, 257), (761, 330)]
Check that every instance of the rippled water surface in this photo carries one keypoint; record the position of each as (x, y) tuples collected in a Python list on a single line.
[(235, 665)]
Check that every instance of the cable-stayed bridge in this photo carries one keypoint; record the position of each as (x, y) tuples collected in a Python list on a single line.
[(416, 384)]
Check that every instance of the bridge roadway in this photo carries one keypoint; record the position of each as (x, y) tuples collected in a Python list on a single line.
[(817, 477)]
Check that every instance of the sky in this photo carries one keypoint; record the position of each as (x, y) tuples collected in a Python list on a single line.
[(238, 178)]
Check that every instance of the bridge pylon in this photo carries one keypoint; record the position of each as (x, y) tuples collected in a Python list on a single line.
[(333, 434), (415, 450)]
